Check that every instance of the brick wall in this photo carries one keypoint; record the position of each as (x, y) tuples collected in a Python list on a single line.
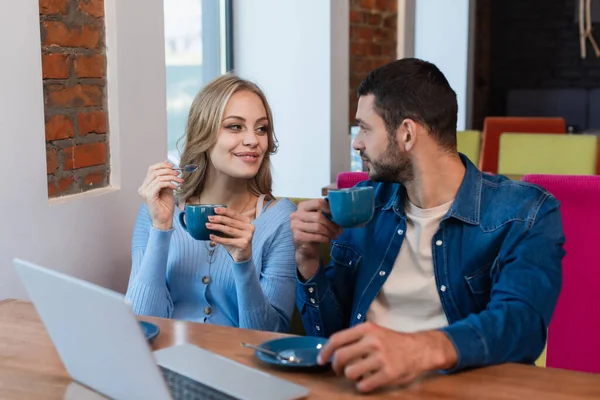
[(74, 78), (535, 44), (373, 38)]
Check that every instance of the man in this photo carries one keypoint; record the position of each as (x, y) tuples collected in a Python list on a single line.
[(456, 269)]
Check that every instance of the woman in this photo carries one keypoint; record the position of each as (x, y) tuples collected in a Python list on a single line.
[(245, 278)]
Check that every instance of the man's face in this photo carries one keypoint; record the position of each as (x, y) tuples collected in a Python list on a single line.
[(383, 157)]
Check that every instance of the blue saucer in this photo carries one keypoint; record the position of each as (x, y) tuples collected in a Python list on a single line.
[(304, 348), (150, 330)]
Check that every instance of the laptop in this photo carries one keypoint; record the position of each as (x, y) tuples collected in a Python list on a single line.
[(103, 347)]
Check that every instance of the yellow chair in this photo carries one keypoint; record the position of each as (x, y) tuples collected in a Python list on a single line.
[(469, 143), (541, 361), (524, 153)]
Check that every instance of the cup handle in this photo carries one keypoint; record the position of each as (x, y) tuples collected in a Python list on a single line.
[(182, 222), (327, 215)]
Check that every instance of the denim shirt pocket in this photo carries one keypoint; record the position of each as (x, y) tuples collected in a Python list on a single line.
[(480, 285), (344, 255)]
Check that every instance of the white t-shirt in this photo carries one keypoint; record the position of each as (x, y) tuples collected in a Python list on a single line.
[(409, 300)]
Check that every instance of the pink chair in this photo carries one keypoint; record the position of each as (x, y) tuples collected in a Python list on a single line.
[(574, 331), (346, 180)]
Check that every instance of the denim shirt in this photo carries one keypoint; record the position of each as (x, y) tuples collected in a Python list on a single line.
[(497, 258)]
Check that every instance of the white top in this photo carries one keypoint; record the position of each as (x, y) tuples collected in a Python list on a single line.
[(409, 300)]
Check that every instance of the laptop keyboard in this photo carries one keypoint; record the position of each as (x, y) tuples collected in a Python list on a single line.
[(184, 388)]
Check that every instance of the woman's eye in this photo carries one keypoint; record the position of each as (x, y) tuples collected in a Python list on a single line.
[(234, 127), (262, 130)]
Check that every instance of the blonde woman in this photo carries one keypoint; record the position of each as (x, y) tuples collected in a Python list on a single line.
[(247, 277)]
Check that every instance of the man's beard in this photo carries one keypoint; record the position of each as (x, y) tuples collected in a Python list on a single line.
[(392, 165)]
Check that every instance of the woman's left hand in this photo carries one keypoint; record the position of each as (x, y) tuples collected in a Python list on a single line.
[(237, 230)]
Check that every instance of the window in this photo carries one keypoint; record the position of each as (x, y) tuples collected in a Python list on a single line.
[(197, 49), (356, 163)]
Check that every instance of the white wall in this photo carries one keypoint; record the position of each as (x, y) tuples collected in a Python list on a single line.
[(85, 235), (442, 37), (297, 52)]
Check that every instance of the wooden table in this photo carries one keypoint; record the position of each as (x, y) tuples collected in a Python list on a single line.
[(31, 369)]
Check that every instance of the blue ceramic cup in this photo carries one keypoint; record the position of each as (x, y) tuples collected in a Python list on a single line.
[(193, 220), (352, 207)]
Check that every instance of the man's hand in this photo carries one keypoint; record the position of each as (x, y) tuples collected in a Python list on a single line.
[(309, 228), (374, 357)]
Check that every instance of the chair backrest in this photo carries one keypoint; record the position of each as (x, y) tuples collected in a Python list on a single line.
[(348, 179), (493, 127), (522, 153), (469, 143), (598, 159), (574, 329)]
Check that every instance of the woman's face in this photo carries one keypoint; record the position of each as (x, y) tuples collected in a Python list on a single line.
[(243, 137)]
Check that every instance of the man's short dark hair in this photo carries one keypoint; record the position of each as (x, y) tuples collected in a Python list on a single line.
[(415, 89)]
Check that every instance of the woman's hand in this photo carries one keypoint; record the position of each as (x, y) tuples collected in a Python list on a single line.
[(157, 191), (237, 232)]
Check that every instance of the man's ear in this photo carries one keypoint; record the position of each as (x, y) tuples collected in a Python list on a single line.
[(407, 134)]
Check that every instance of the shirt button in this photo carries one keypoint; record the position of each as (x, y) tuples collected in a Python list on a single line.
[(358, 316), (313, 301), (311, 290), (438, 242), (205, 280), (207, 310), (400, 231), (381, 273), (443, 288), (317, 327)]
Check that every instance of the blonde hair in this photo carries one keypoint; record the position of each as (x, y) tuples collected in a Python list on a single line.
[(203, 125)]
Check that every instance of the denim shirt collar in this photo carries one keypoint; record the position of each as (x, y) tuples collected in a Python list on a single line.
[(467, 204)]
